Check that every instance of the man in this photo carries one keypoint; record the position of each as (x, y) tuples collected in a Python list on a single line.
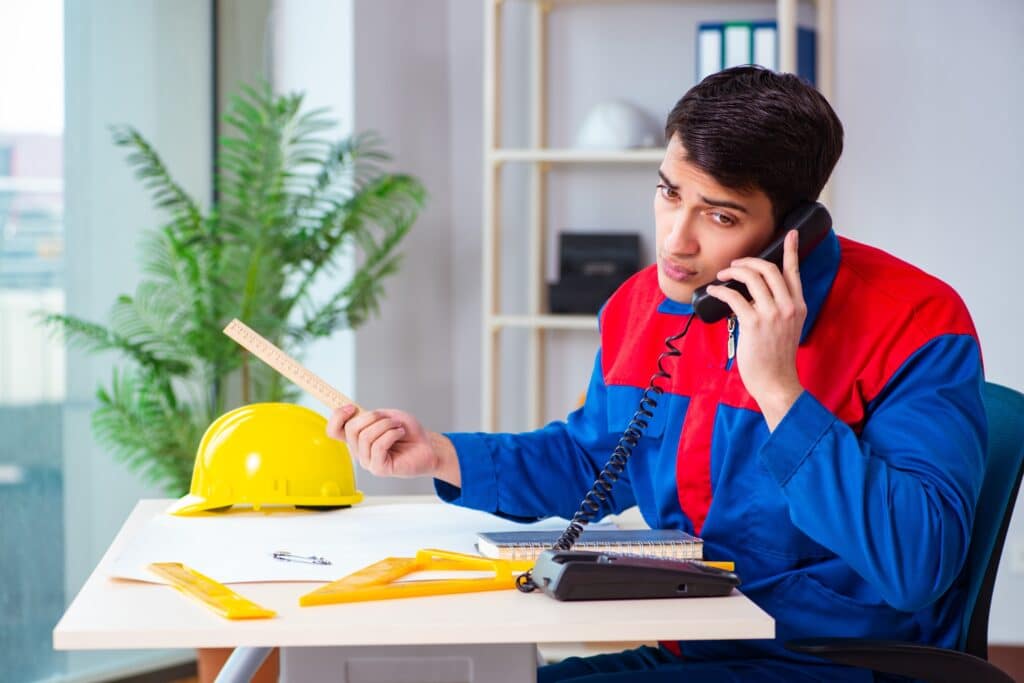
[(828, 437)]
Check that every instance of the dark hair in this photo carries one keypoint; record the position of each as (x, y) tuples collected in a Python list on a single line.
[(748, 127)]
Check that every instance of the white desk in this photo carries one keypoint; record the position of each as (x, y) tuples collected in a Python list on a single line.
[(116, 614)]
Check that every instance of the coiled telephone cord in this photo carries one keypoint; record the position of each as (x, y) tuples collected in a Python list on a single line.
[(616, 464)]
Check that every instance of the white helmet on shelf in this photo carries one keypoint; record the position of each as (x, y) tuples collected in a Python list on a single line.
[(617, 125)]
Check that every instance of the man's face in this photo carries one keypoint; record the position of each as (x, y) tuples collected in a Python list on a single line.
[(702, 226)]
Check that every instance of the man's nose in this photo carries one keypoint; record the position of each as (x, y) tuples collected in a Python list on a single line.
[(682, 238)]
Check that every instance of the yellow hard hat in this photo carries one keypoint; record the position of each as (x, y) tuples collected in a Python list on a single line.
[(270, 454)]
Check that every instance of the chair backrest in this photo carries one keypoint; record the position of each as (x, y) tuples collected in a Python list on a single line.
[(1004, 464)]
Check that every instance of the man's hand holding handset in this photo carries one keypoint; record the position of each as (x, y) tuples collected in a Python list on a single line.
[(770, 327)]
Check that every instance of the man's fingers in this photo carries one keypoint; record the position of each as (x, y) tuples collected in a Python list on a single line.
[(736, 301), (354, 425), (791, 265), (369, 435), (762, 295), (334, 424), (782, 299), (337, 420), (381, 458)]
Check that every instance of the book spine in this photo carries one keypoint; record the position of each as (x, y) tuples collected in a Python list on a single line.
[(672, 551), (522, 551)]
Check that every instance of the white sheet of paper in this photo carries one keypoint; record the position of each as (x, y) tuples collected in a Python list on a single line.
[(237, 546)]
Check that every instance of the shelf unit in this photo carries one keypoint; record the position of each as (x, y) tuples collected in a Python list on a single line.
[(540, 157), (579, 156)]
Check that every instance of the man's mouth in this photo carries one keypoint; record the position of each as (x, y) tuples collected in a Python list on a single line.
[(676, 272)]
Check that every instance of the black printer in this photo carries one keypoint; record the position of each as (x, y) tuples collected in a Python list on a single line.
[(591, 267)]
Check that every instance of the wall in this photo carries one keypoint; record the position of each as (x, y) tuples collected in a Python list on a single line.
[(929, 93), (404, 357)]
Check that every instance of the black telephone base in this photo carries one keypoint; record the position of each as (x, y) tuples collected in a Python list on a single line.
[(581, 575)]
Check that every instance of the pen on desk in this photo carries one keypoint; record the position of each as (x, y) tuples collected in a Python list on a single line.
[(292, 557)]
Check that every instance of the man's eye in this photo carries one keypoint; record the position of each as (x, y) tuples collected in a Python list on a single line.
[(721, 218), (667, 192)]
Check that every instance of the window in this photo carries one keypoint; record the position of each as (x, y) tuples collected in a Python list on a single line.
[(31, 363), (69, 211)]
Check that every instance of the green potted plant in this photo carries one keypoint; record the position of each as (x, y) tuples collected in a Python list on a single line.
[(291, 205)]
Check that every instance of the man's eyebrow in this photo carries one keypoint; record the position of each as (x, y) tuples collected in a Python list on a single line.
[(724, 203), (664, 179)]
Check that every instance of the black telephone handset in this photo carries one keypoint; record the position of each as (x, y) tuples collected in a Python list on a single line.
[(565, 574), (810, 219)]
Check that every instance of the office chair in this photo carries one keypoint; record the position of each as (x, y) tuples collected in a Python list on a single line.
[(969, 662)]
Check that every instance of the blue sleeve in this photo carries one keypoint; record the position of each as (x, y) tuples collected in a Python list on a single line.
[(542, 473), (897, 502)]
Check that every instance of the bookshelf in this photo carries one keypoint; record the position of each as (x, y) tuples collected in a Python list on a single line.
[(540, 158)]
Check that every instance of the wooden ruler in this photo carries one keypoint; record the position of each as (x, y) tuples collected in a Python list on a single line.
[(258, 346)]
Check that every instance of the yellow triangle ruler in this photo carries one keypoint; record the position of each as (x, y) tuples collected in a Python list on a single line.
[(378, 581)]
